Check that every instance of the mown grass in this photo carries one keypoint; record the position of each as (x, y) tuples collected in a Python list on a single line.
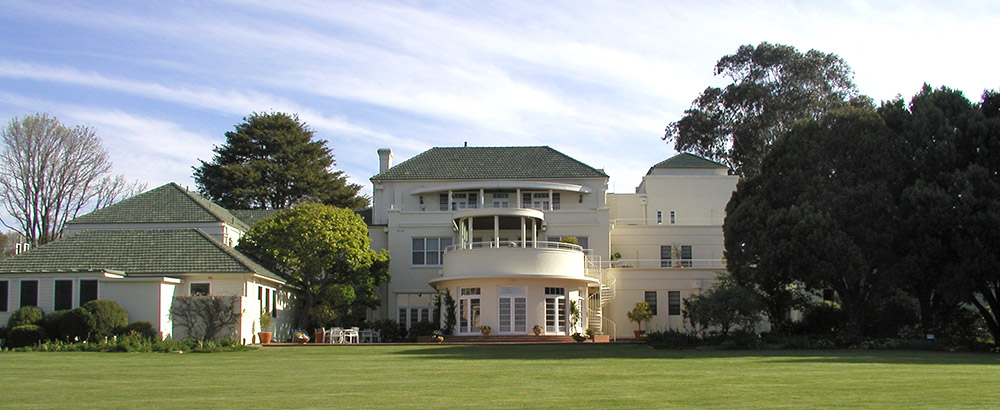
[(452, 376)]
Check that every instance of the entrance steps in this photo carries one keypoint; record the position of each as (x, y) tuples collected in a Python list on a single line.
[(509, 339)]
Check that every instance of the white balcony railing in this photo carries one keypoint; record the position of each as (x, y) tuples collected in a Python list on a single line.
[(666, 264), (514, 244)]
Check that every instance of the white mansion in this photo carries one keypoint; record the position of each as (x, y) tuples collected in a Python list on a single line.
[(489, 225)]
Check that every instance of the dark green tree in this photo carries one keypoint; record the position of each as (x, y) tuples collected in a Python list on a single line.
[(273, 161), (773, 86), (324, 251), (932, 125), (748, 257), (825, 204)]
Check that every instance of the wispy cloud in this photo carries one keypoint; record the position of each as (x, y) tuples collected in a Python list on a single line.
[(597, 80)]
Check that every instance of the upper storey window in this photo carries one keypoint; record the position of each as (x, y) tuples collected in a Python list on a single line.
[(540, 200), (459, 200), (429, 251)]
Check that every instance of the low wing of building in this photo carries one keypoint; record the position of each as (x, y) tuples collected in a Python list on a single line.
[(142, 252)]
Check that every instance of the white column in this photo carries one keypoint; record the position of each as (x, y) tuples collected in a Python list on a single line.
[(524, 234), (496, 230), (550, 199), (534, 233), (482, 198), (472, 239), (519, 198), (449, 199)]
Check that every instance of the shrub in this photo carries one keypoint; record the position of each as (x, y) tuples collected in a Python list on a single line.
[(892, 314), (672, 339), (822, 317), (25, 335), (109, 318), (28, 315), (76, 325), (144, 329), (421, 328), (205, 317), (51, 324), (391, 331)]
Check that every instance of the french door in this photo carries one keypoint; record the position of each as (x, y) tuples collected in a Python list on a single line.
[(468, 311), (512, 310), (555, 311)]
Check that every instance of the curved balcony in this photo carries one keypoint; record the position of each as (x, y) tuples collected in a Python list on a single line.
[(509, 259)]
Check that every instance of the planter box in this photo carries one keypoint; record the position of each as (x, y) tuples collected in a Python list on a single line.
[(602, 339)]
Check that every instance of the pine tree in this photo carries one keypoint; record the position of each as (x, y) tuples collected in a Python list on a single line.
[(272, 161)]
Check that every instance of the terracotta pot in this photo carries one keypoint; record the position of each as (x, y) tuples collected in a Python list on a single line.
[(318, 337), (639, 333), (538, 331), (265, 337)]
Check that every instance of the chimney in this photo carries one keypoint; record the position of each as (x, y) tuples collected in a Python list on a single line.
[(384, 159)]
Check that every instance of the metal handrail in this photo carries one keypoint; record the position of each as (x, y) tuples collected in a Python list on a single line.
[(660, 263), (514, 244), (679, 222)]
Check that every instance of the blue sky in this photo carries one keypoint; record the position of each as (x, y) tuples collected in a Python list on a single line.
[(161, 82)]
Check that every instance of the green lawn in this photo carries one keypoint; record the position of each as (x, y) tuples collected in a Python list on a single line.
[(545, 376)]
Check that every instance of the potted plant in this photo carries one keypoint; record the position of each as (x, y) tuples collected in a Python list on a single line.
[(300, 338), (265, 333), (437, 336), (640, 313), (537, 329), (485, 329)]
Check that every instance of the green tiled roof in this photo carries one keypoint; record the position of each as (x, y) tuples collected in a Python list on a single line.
[(160, 252), (490, 163), (252, 216), (686, 160), (169, 203)]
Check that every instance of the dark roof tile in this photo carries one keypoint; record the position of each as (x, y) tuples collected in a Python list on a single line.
[(490, 163)]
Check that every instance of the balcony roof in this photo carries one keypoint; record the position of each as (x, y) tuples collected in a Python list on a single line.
[(526, 185)]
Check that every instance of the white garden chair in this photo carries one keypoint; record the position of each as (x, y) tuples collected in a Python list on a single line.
[(351, 334), (333, 335)]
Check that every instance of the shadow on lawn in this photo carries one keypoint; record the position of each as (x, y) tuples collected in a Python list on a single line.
[(591, 351)]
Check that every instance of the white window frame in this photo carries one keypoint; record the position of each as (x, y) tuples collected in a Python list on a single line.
[(439, 250), (192, 284)]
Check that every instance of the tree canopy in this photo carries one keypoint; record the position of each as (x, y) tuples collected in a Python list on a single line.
[(325, 252), (825, 202), (773, 86), (875, 204), (273, 161), (49, 173)]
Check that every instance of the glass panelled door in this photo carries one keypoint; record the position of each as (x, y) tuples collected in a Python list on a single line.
[(555, 311), (468, 311), (512, 310)]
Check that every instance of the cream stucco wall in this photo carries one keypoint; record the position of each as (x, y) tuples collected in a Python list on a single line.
[(145, 299), (632, 285)]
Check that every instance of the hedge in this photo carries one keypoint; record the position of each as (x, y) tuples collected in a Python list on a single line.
[(28, 315), (109, 318), (25, 335)]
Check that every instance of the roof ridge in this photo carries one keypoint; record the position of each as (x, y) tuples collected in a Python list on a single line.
[(213, 208)]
